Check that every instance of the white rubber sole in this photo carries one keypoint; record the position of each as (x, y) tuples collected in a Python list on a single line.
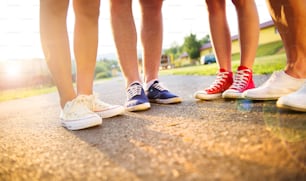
[(139, 107), (83, 123), (260, 98), (204, 96), (232, 95), (166, 101), (113, 111), (294, 108)]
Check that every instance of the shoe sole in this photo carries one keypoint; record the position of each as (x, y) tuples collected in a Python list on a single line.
[(174, 100), (118, 110), (283, 106), (208, 96), (232, 96), (139, 107), (81, 124), (261, 98)]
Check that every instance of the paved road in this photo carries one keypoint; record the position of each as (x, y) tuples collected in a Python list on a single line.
[(194, 140)]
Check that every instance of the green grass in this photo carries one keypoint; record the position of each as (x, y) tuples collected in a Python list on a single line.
[(269, 49), (11, 94), (270, 57), (269, 64), (24, 92), (265, 50), (262, 65)]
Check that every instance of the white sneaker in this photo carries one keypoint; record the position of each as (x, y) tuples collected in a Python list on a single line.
[(295, 101), (106, 110), (101, 108), (76, 115), (279, 84)]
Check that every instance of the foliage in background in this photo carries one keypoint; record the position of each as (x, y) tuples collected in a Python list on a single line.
[(176, 50), (265, 50), (269, 58), (24, 92), (263, 65), (192, 46), (105, 68), (269, 48), (204, 40)]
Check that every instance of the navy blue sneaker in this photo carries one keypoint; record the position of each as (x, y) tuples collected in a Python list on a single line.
[(136, 98), (158, 94)]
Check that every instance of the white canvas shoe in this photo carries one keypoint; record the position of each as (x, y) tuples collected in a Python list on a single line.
[(106, 110), (279, 84), (295, 101), (101, 108), (76, 115)]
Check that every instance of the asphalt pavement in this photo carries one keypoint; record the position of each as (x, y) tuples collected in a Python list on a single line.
[(194, 140)]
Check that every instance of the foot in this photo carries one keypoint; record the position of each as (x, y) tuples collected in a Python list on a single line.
[(136, 98), (295, 101), (223, 81), (159, 94), (243, 81), (76, 115), (279, 84)]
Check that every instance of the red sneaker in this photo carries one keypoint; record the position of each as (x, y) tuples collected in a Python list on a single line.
[(223, 81), (242, 82)]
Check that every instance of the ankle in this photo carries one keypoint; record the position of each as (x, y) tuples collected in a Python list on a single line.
[(134, 82), (242, 67), (148, 84)]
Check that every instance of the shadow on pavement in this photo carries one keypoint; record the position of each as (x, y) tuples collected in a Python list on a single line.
[(196, 140)]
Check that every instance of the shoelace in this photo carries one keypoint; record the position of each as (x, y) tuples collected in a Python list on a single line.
[(79, 105), (241, 79), (220, 80), (159, 86), (98, 103), (134, 90), (85, 100)]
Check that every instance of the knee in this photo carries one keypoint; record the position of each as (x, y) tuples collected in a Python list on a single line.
[(54, 8), (151, 7), (117, 6), (240, 3), (215, 6), (87, 9)]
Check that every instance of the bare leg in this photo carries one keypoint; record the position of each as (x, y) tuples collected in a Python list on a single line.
[(220, 33), (289, 17), (248, 30), (125, 37), (151, 37), (55, 44), (86, 42)]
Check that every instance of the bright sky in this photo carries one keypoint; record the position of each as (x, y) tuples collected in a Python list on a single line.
[(19, 22)]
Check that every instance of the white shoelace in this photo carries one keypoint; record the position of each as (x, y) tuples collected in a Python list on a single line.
[(98, 103), (85, 100), (78, 106), (241, 79), (220, 80), (133, 90), (159, 86)]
